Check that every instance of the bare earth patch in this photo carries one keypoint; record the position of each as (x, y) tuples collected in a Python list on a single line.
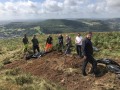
[(66, 71)]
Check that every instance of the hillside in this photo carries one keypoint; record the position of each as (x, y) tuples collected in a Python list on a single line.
[(57, 71), (54, 26), (66, 71), (62, 26)]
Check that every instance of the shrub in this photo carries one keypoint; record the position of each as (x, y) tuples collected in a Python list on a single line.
[(13, 72), (6, 61), (24, 79)]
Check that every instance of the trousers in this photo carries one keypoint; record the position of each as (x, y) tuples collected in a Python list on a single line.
[(92, 61), (78, 49), (36, 47)]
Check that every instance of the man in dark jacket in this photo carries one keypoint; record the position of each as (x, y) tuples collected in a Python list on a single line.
[(60, 39), (88, 55), (35, 44), (60, 42), (25, 42)]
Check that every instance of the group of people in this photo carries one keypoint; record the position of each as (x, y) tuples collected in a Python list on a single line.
[(35, 43), (68, 44), (84, 48)]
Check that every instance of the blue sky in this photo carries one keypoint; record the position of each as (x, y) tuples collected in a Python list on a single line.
[(49, 9)]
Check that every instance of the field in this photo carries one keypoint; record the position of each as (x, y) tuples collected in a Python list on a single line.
[(56, 71)]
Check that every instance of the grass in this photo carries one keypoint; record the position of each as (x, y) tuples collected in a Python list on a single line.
[(24, 79), (12, 49), (13, 72), (15, 79), (107, 42)]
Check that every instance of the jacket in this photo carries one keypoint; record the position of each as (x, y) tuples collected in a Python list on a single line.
[(35, 42), (60, 39), (87, 48), (49, 40), (25, 40)]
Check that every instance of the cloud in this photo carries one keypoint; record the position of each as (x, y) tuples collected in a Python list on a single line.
[(17, 7), (105, 8), (97, 8), (52, 6), (72, 2), (59, 9), (113, 3), (113, 7)]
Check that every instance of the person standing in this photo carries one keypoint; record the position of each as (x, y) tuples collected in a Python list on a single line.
[(60, 42), (87, 50), (48, 44), (68, 45), (25, 42), (78, 42), (35, 44)]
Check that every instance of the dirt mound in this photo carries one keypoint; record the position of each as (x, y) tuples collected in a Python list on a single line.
[(66, 70)]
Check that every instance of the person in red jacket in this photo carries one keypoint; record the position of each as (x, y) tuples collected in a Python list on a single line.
[(48, 44)]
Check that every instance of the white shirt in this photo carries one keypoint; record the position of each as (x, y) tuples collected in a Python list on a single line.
[(78, 40)]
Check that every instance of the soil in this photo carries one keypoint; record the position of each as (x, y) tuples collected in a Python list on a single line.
[(66, 71)]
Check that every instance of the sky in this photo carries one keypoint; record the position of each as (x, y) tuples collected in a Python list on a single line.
[(57, 9)]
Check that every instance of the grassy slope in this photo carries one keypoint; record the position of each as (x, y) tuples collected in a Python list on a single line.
[(108, 43), (12, 49)]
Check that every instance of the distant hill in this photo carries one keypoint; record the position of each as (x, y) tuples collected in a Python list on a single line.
[(62, 26), (59, 26)]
